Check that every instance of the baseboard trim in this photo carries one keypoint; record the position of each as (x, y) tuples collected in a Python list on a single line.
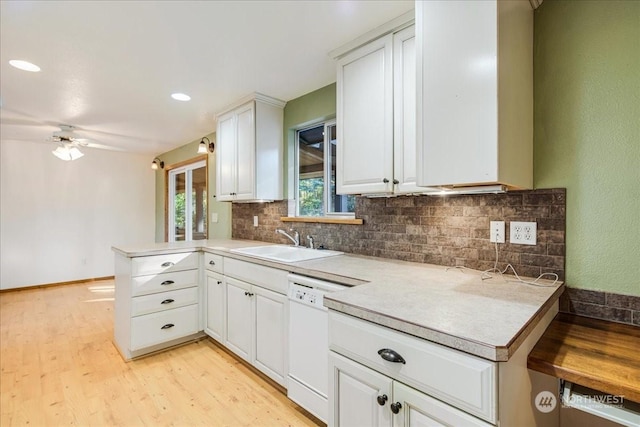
[(50, 285)]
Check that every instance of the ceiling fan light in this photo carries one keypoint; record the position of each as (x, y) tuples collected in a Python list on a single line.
[(75, 153), (66, 153)]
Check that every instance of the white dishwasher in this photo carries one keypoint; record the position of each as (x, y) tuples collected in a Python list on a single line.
[(309, 344)]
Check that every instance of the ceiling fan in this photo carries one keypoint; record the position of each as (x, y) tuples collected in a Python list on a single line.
[(69, 139), (70, 143)]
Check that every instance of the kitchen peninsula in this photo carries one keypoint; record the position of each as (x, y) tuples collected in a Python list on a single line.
[(491, 324)]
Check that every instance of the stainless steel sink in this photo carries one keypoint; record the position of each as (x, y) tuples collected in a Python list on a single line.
[(285, 253)]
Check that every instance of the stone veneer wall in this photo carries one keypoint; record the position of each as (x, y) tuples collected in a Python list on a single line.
[(451, 231)]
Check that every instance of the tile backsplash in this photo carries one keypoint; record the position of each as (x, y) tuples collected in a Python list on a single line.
[(450, 231)]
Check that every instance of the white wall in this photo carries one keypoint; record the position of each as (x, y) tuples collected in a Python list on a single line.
[(58, 220)]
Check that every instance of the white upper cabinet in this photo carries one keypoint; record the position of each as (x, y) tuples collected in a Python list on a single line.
[(376, 115), (249, 150), (475, 93), (404, 113), (365, 119)]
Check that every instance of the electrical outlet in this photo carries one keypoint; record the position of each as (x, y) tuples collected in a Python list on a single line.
[(255, 220), (523, 233), (496, 231)]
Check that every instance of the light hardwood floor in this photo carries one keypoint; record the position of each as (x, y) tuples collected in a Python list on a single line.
[(59, 367)]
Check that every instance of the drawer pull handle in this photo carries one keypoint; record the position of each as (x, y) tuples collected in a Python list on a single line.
[(382, 399), (249, 294), (167, 301), (212, 262), (167, 264), (395, 407), (391, 356), (167, 282), (168, 326)]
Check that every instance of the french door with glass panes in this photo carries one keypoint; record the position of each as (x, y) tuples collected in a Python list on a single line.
[(187, 202)]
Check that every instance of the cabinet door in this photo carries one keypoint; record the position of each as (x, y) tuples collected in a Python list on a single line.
[(240, 319), (354, 391), (271, 333), (226, 157), (365, 119), (246, 152), (458, 92), (419, 410), (215, 309), (404, 112)]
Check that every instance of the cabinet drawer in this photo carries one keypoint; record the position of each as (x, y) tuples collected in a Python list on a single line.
[(163, 263), (462, 380), (214, 263), (156, 328), (266, 277), (143, 285), (163, 301)]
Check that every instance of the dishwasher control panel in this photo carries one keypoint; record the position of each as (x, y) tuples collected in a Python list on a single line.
[(306, 295)]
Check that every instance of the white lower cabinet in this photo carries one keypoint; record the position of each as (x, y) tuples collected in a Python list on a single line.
[(156, 302), (271, 322), (364, 397), (257, 318), (240, 318), (215, 293)]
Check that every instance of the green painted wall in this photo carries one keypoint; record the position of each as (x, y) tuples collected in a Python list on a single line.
[(315, 106), (587, 134), (221, 229)]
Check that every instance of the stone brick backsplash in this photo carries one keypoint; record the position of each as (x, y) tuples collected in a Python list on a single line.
[(450, 231), (601, 305)]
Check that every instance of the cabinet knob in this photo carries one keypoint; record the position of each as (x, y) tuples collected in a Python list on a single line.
[(396, 182), (219, 282), (167, 282), (382, 399), (249, 294), (167, 264), (212, 262), (391, 356), (168, 326), (395, 407), (167, 301), (385, 180)]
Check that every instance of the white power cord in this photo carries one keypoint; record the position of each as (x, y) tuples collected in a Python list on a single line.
[(485, 274)]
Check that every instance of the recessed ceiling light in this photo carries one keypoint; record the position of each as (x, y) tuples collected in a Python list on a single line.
[(180, 97), (24, 65)]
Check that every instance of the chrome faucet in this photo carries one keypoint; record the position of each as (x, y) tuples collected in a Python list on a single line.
[(311, 244), (296, 236)]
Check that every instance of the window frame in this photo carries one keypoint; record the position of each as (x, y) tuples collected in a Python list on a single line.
[(326, 170)]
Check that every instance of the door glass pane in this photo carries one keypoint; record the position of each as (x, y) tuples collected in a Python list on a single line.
[(179, 206), (199, 204)]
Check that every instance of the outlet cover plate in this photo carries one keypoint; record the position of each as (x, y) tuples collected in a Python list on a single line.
[(523, 233), (496, 231)]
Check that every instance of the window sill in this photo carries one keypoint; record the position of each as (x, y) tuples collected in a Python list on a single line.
[(322, 220)]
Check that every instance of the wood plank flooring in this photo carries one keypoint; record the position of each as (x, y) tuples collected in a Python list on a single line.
[(59, 367)]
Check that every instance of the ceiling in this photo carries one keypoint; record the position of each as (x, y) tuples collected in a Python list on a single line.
[(109, 67)]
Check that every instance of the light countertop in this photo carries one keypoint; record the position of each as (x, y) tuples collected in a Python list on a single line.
[(452, 307)]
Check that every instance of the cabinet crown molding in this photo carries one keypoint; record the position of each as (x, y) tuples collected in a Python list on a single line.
[(255, 96), (392, 26)]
